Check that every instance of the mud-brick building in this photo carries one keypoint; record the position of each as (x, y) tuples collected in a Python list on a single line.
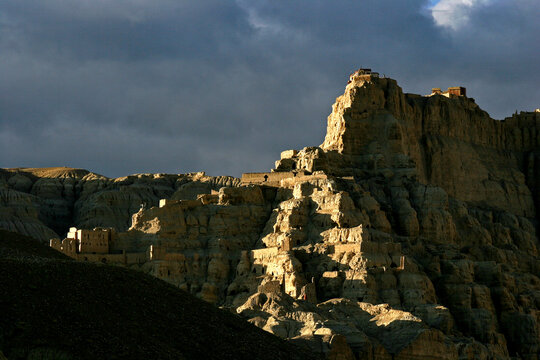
[(83, 241)]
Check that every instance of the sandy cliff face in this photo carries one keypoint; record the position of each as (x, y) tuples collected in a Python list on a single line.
[(395, 267), (450, 142)]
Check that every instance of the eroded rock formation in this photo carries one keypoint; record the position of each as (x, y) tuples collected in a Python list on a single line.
[(410, 233), (44, 203)]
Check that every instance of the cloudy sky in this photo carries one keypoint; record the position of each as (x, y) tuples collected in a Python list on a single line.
[(131, 86)]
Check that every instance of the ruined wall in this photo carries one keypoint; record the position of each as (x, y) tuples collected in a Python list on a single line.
[(93, 241), (344, 235), (66, 246), (126, 259), (268, 178), (261, 254)]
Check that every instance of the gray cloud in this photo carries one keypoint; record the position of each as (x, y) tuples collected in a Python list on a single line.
[(175, 86)]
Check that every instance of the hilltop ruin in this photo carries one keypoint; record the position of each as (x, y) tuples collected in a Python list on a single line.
[(409, 233)]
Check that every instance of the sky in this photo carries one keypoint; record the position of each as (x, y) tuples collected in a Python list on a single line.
[(173, 86)]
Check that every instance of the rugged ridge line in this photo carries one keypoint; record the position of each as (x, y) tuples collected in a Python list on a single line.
[(44, 202)]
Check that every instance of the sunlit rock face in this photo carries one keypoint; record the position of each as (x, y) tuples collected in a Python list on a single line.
[(410, 233), (450, 142)]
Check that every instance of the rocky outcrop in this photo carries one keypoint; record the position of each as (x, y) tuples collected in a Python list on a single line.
[(194, 245), (410, 233), (448, 142), (418, 272)]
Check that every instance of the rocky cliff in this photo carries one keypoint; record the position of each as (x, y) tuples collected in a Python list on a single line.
[(447, 142), (410, 233)]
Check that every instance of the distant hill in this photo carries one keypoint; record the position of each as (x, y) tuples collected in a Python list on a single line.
[(45, 202), (53, 172), (56, 308)]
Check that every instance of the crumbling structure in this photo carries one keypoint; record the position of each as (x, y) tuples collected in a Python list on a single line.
[(362, 74), (83, 241), (452, 91), (95, 245)]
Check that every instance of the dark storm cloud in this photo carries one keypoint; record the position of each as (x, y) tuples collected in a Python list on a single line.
[(124, 30), (496, 54), (172, 86)]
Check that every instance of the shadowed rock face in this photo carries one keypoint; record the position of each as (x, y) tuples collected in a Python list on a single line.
[(44, 203), (410, 233)]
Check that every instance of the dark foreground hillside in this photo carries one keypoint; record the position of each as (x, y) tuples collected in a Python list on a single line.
[(55, 308)]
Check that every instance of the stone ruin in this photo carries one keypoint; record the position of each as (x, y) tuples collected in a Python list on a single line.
[(96, 245), (452, 91), (85, 241)]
